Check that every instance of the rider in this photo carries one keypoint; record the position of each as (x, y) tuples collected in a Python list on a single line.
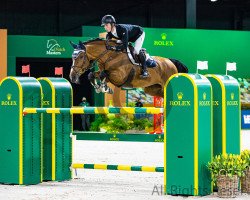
[(127, 33)]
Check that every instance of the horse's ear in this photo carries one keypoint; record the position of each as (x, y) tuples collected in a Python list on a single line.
[(73, 44), (81, 45)]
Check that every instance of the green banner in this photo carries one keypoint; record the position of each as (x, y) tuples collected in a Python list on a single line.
[(41, 46), (190, 45)]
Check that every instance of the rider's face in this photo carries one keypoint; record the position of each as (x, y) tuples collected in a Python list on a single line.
[(108, 27)]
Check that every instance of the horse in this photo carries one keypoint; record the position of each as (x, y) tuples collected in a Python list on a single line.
[(117, 68)]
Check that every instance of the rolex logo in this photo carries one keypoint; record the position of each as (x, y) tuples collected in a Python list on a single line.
[(163, 36), (164, 41), (9, 97), (204, 96), (9, 101), (114, 138), (232, 102), (204, 102), (180, 101), (232, 96), (179, 95)]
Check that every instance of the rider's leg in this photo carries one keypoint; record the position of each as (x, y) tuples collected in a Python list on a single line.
[(139, 43), (142, 57), (141, 54)]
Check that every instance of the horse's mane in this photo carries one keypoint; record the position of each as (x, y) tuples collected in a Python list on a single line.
[(97, 39), (93, 40)]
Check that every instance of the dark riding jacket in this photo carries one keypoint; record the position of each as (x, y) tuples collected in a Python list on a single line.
[(126, 33)]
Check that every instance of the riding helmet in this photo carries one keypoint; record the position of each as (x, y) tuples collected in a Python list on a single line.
[(108, 19)]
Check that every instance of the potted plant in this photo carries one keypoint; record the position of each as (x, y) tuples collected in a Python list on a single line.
[(245, 180), (226, 171)]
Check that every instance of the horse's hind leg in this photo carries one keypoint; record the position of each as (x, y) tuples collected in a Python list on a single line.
[(154, 90)]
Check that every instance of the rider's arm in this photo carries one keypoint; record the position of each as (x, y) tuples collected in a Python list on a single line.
[(124, 40), (108, 36)]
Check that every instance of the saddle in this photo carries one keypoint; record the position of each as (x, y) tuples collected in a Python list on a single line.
[(134, 58)]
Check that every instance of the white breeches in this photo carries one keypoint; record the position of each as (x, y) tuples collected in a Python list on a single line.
[(139, 43)]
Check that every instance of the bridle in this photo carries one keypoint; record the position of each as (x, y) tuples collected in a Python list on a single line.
[(91, 62)]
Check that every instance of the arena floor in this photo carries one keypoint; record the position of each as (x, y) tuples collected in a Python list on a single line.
[(99, 184)]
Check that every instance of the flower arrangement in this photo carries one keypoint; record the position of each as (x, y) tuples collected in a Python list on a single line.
[(245, 180), (226, 170)]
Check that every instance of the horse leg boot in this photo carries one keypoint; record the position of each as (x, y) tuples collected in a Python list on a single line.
[(144, 71), (93, 82), (104, 87)]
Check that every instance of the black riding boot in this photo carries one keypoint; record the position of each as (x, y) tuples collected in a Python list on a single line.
[(144, 71)]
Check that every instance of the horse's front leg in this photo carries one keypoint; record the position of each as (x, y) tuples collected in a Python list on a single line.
[(93, 76), (104, 86)]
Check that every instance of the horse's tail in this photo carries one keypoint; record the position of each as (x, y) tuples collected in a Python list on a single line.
[(181, 68)]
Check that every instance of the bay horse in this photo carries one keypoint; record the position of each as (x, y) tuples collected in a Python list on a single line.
[(117, 68)]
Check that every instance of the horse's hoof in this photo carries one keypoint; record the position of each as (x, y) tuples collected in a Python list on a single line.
[(110, 91), (98, 89)]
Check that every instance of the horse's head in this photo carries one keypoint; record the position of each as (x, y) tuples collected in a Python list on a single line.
[(80, 62)]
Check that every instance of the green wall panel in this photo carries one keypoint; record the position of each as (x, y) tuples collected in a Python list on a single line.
[(189, 45)]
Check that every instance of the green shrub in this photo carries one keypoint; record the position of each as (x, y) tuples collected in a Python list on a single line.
[(116, 125), (95, 126), (141, 124), (119, 123)]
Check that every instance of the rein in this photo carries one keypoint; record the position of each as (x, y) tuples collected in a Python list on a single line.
[(93, 62)]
